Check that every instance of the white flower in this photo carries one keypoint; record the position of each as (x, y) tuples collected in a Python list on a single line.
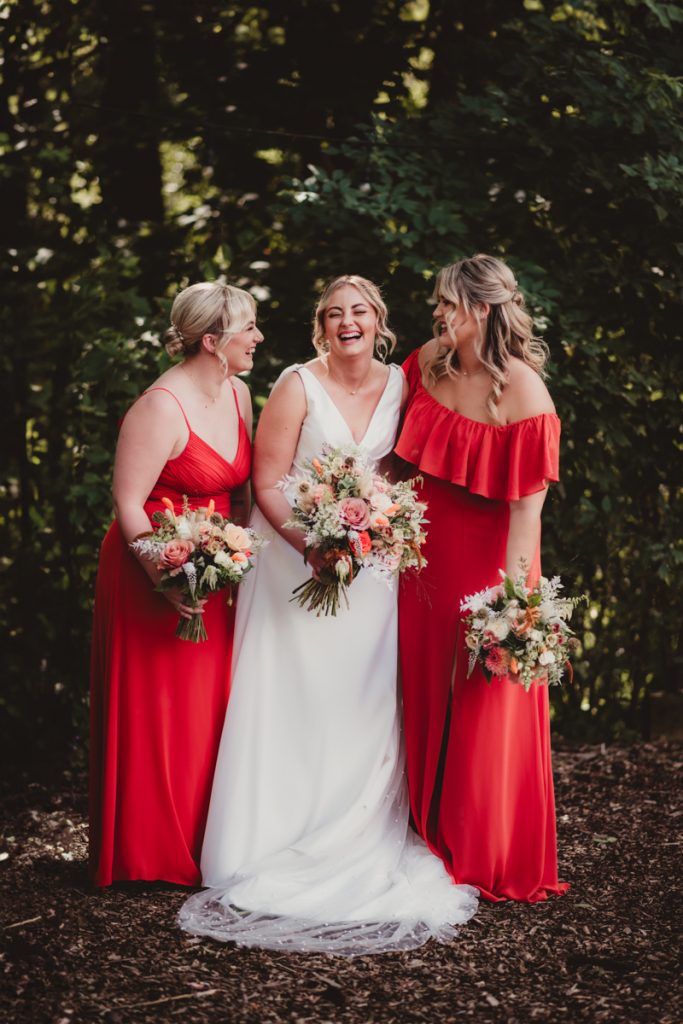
[(546, 658), (474, 603), (210, 577), (511, 610), (342, 569), (536, 635), (223, 559), (380, 502), (547, 610), (183, 528), (499, 627), (366, 486)]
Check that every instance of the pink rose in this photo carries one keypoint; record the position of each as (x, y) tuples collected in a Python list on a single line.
[(354, 512), (175, 554)]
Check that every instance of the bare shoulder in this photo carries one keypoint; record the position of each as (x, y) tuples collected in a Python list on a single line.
[(428, 351), (241, 387), (243, 394), (155, 407), (315, 366), (286, 402), (405, 388), (288, 385), (525, 395)]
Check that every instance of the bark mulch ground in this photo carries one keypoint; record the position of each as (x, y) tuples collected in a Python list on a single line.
[(605, 952)]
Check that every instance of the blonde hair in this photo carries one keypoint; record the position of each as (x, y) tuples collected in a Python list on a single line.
[(508, 327), (208, 307), (385, 339)]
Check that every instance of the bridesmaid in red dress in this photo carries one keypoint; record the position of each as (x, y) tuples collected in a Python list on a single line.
[(158, 703), (482, 430)]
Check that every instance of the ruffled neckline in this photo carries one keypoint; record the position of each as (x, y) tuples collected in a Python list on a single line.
[(498, 461)]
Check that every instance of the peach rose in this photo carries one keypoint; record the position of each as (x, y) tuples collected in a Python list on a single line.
[(236, 537), (175, 554), (354, 512)]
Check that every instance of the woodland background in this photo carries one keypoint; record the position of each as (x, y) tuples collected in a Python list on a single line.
[(149, 145)]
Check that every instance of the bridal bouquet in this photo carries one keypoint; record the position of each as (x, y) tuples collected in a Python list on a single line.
[(514, 630), (200, 552), (357, 519)]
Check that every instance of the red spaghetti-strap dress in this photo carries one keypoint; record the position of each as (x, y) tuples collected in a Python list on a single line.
[(157, 703), (478, 754)]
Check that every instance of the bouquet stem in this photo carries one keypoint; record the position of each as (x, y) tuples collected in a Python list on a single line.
[(192, 629), (321, 598)]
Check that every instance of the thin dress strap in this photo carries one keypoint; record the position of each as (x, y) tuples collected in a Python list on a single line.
[(187, 422), (237, 403)]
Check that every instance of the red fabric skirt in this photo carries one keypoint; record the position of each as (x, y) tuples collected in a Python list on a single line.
[(478, 754), (157, 710)]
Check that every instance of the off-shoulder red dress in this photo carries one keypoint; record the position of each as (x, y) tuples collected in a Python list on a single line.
[(478, 754), (157, 703)]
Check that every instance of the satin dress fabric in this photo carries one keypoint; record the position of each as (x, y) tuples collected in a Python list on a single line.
[(307, 845), (157, 703), (478, 753)]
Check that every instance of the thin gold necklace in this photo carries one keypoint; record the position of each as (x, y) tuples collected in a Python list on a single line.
[(471, 373), (355, 390), (208, 399)]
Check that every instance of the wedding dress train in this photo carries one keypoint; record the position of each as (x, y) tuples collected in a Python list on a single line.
[(307, 845)]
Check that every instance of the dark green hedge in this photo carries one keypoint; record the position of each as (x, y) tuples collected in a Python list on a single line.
[(149, 147)]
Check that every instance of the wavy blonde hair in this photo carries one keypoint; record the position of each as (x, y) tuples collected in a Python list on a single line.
[(208, 307), (508, 329), (385, 339)]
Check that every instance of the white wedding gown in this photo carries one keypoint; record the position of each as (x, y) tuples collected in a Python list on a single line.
[(307, 844)]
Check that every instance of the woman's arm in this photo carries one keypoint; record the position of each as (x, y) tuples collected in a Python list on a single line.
[(148, 436), (150, 433), (277, 436), (524, 532), (524, 397), (391, 465), (240, 498)]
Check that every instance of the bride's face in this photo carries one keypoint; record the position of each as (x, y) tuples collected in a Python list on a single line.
[(350, 323)]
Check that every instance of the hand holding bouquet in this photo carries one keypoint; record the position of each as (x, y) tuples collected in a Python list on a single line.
[(355, 519), (520, 632), (198, 551)]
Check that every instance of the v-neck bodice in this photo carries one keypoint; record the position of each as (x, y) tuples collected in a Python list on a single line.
[(200, 472), (324, 423)]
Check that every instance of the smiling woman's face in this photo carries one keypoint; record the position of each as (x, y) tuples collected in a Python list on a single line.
[(464, 325), (350, 322), (240, 349)]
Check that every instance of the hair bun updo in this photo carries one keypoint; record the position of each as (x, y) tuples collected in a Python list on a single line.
[(208, 307), (175, 341)]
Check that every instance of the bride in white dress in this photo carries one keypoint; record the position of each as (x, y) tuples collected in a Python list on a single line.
[(307, 844)]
